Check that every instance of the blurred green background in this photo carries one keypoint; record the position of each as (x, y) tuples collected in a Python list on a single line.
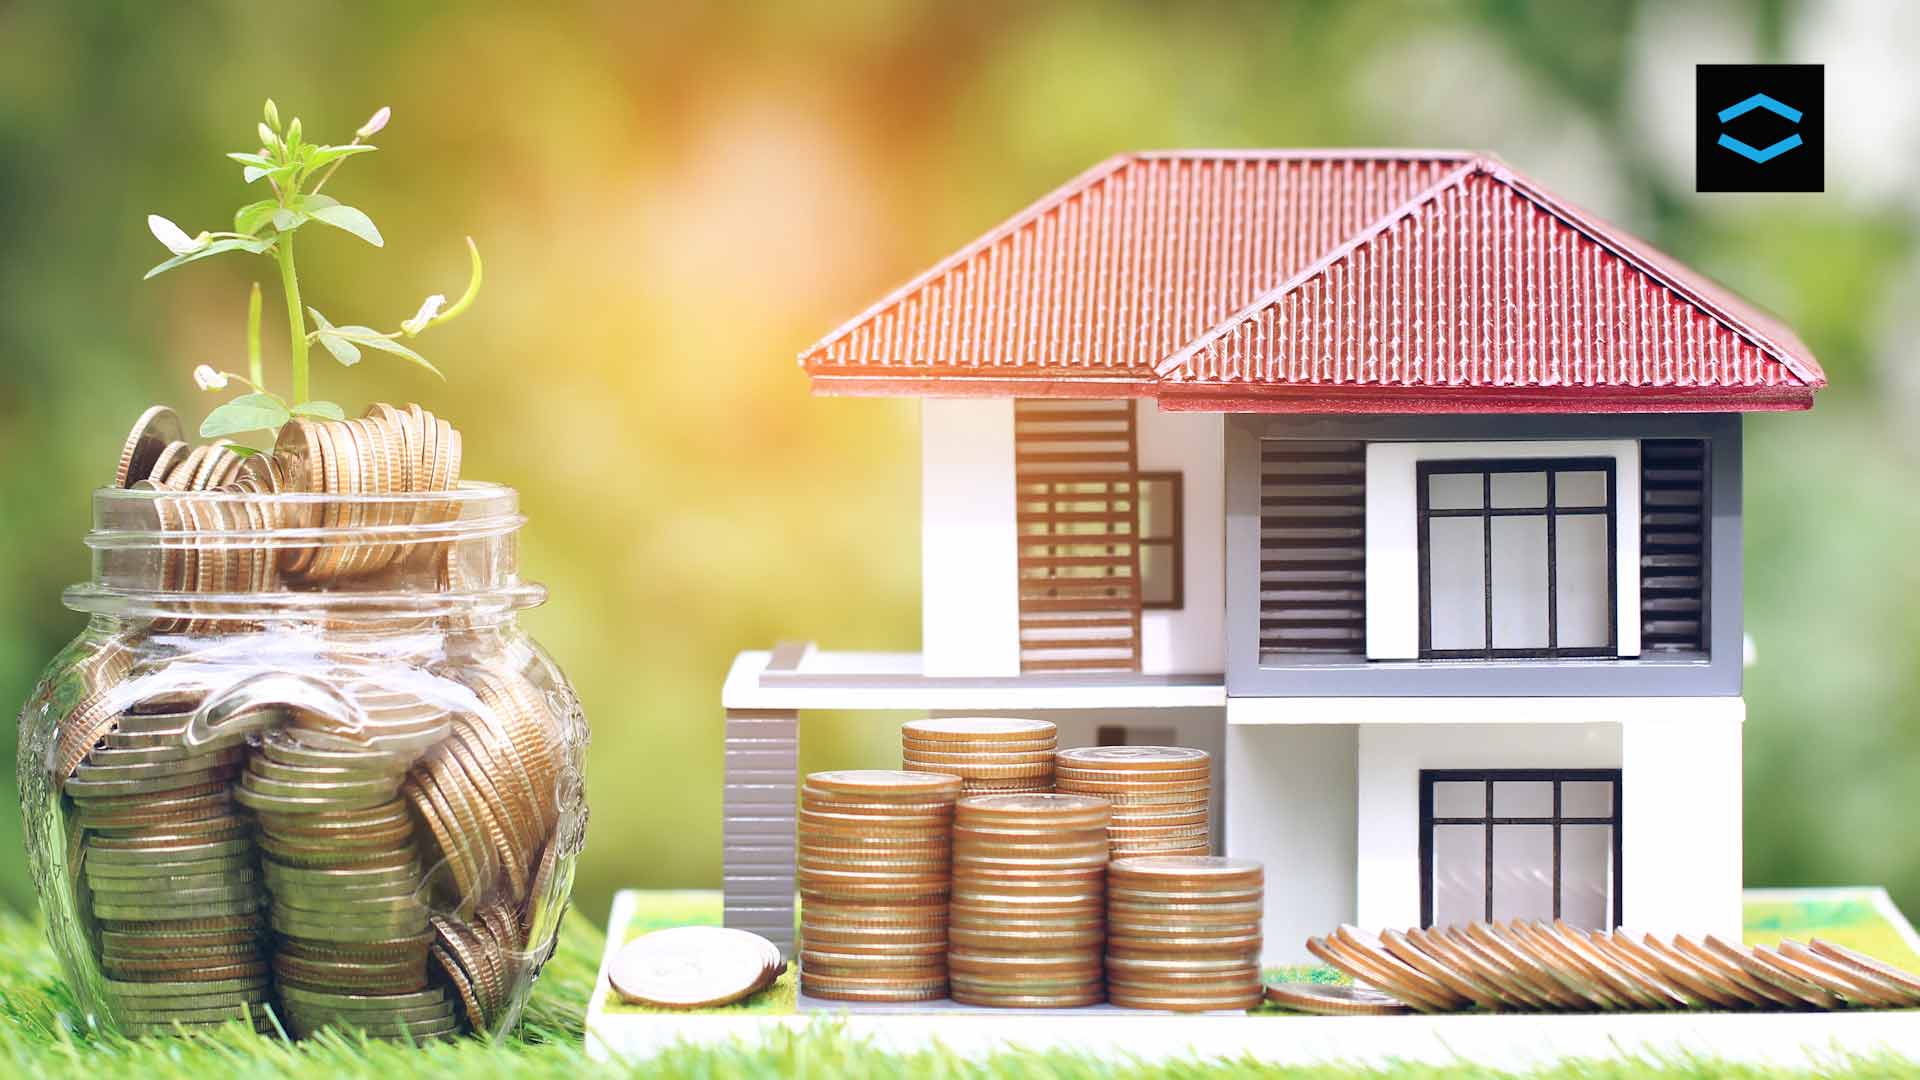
[(673, 201)]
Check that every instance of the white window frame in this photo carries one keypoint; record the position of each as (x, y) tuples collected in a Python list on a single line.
[(1393, 534)]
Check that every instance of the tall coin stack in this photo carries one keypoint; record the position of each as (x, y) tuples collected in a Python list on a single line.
[(990, 755), (1183, 932), (874, 870), (338, 845), (1029, 900), (171, 866), (1161, 795)]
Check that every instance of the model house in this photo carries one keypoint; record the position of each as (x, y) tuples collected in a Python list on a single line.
[(1410, 491)]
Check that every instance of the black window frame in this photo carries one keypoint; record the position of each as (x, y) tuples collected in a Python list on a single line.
[(1176, 543), (1487, 512), (1430, 777)]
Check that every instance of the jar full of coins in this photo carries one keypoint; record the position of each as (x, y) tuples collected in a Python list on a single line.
[(303, 769)]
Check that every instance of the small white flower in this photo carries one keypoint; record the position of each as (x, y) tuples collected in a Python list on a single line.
[(174, 237), (429, 309), (208, 379), (375, 122)]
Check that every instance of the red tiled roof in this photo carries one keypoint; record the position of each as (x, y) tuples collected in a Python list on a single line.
[(1107, 276), (1319, 282)]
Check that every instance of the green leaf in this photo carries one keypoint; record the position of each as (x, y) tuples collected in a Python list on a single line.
[(323, 155), (244, 450), (314, 201), (248, 412), (287, 220), (351, 220), (372, 339), (260, 160), (251, 217), (340, 347), (252, 173), (253, 246), (325, 410)]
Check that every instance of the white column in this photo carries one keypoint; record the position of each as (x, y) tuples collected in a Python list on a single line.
[(1680, 803), (969, 572), (1290, 804)]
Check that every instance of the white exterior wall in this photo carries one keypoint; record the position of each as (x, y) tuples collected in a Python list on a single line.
[(969, 569), (1192, 640), (1291, 803), (1333, 808), (1393, 539)]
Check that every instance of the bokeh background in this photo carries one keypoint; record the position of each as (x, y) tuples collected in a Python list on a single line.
[(674, 200)]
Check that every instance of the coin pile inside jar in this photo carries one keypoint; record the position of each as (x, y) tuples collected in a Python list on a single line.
[(1537, 966), (1029, 900), (873, 872), (991, 755), (1161, 795), (366, 849), (1183, 932), (172, 870)]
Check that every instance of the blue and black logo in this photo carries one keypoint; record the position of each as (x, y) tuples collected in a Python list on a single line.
[(1759, 127)]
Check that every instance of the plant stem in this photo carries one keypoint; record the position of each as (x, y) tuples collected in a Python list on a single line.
[(296, 318), (254, 369)]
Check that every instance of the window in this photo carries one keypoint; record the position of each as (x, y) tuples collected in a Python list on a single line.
[(1161, 560), (1520, 844), (1517, 559)]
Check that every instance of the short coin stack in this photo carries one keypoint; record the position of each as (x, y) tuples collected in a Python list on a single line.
[(173, 873), (991, 755), (1161, 795), (694, 967), (874, 872), (1557, 967), (1029, 900), (1183, 932)]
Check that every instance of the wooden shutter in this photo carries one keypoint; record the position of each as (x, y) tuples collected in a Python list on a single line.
[(1673, 544), (1313, 547)]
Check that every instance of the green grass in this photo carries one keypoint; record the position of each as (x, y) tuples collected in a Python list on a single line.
[(38, 1039)]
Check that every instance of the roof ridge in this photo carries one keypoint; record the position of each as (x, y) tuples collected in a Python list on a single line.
[(1620, 246), (1336, 153), (1179, 357), (1079, 184)]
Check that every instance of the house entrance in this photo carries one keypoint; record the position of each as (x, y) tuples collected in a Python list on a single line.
[(1501, 844)]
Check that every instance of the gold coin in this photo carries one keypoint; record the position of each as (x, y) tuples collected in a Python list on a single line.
[(874, 785), (977, 729), (1143, 758)]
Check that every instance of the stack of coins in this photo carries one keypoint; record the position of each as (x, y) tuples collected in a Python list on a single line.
[(171, 869), (1029, 900), (990, 755), (1161, 795), (1183, 932), (874, 870)]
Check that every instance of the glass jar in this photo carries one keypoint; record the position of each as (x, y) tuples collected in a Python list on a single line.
[(303, 759)]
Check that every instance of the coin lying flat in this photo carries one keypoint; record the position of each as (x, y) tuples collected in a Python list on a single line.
[(690, 967), (1329, 1000)]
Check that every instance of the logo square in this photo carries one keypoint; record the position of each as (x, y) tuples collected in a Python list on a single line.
[(1759, 127)]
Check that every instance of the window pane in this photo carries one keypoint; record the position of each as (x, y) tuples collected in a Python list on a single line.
[(1459, 875), (1586, 798), (1156, 509), (1156, 574), (1580, 489), (1522, 872), (1520, 490), (1520, 583), (1456, 552), (1585, 608), (1523, 798), (1455, 491), (1586, 876), (1460, 798)]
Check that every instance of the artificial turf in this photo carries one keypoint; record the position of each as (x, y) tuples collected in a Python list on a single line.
[(41, 1037)]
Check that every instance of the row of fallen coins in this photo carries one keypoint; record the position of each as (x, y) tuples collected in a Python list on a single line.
[(387, 451), (171, 872), (694, 967), (1161, 795), (1183, 932), (1029, 900), (990, 755), (874, 872), (478, 960), (1541, 966)]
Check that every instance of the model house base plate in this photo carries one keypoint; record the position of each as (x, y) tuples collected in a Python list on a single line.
[(1861, 918)]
